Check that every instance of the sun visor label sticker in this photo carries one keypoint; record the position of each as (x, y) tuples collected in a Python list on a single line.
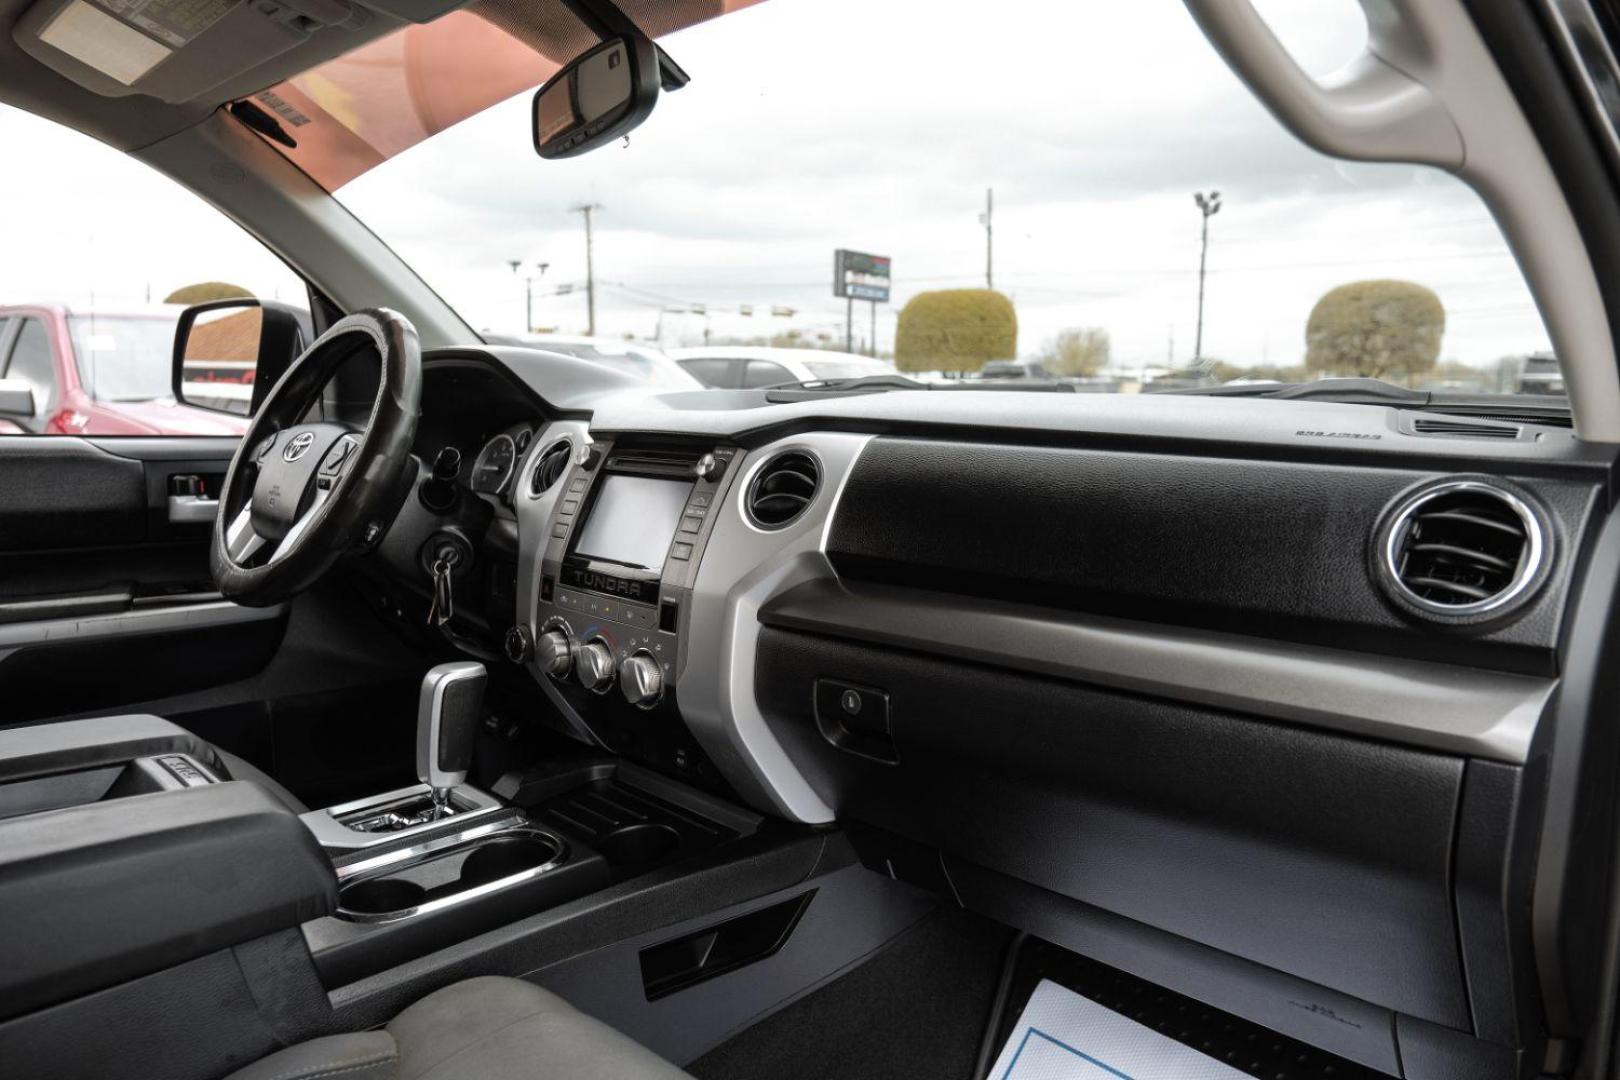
[(173, 22)]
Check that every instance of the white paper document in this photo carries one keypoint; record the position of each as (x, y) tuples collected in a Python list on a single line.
[(1063, 1036)]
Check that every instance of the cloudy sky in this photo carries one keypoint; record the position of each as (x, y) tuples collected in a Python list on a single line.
[(875, 125)]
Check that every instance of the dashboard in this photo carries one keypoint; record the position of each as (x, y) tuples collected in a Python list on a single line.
[(1274, 703)]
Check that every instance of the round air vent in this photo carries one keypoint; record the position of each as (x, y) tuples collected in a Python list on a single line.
[(1464, 548), (783, 489), (550, 468)]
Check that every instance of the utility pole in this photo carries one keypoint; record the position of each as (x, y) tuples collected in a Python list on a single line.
[(987, 220), (1208, 205), (590, 268)]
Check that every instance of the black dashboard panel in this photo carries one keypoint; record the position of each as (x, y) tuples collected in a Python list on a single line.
[(1318, 855), (1260, 547)]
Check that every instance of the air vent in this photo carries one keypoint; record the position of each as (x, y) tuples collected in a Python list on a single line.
[(550, 468), (783, 489), (1464, 429), (1464, 547)]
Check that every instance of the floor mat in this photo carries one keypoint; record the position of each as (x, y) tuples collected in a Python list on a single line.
[(916, 1011)]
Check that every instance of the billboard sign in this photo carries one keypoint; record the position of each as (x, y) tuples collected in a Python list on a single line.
[(860, 276)]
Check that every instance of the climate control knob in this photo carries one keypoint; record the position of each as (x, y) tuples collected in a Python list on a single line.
[(642, 680), (554, 652), (594, 665)]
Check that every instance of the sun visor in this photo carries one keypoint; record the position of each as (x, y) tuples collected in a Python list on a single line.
[(173, 50)]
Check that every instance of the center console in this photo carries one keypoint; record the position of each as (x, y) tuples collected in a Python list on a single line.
[(623, 537)]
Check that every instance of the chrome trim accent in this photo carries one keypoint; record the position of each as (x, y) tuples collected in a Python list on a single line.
[(1527, 573), (459, 898), (743, 568), (1442, 707), (298, 446), (429, 714), (337, 837), (546, 445), (753, 478), (534, 534), (134, 621), (426, 847)]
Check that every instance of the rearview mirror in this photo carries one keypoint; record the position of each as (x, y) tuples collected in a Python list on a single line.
[(228, 353), (17, 398), (597, 97)]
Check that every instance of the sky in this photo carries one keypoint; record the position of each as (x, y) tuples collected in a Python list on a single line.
[(876, 125)]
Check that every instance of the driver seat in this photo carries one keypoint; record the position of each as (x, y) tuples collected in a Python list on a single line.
[(488, 1028)]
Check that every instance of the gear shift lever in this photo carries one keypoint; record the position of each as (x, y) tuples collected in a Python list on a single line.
[(452, 703)]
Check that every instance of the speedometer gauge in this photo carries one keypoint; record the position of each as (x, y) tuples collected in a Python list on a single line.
[(493, 469)]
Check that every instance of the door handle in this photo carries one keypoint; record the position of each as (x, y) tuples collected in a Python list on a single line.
[(192, 510)]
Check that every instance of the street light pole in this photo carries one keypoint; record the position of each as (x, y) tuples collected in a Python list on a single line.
[(528, 290), (987, 219), (1208, 205)]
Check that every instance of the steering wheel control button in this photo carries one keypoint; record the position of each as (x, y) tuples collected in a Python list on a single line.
[(641, 680), (335, 457), (594, 664)]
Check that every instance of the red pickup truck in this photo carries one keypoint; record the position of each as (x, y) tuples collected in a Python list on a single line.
[(95, 373)]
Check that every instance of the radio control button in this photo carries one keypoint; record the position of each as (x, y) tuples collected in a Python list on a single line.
[(690, 524), (554, 653), (594, 664), (642, 680), (681, 551)]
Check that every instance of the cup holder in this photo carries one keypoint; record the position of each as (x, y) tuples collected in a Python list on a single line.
[(635, 845), (381, 896), (502, 856)]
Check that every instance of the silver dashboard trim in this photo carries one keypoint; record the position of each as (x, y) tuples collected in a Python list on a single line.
[(743, 568), (534, 534), (1436, 706)]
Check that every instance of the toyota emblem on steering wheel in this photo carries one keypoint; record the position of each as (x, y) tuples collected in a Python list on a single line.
[(298, 446)]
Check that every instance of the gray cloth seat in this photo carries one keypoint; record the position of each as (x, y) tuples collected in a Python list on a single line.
[(488, 1028)]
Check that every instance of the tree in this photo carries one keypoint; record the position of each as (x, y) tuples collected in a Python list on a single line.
[(203, 292), (1377, 328), (955, 330), (1077, 351)]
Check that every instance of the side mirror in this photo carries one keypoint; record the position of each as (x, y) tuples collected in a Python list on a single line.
[(597, 97), (17, 398), (229, 353)]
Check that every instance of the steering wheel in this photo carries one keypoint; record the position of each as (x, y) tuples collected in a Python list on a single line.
[(299, 493)]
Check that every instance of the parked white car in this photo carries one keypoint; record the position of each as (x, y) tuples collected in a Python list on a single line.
[(643, 361), (742, 367)]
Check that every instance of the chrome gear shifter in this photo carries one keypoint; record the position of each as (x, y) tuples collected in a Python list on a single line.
[(447, 718)]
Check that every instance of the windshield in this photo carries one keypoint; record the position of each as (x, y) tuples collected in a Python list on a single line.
[(648, 365), (124, 357), (1102, 201), (845, 369)]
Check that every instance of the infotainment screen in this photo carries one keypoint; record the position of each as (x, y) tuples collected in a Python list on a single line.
[(633, 520)]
